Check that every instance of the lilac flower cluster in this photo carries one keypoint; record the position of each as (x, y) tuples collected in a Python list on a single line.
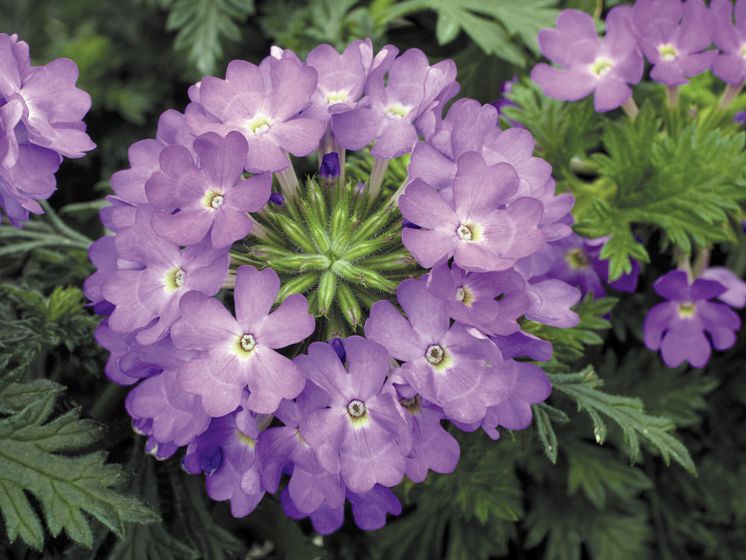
[(685, 326), (252, 385), (673, 36), (41, 121)]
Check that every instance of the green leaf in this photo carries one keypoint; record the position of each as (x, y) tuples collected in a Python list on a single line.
[(202, 26), (65, 486), (627, 413)]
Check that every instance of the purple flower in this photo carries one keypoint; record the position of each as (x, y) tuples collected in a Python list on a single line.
[(360, 433), (41, 114), (329, 168), (264, 104), (730, 38), (176, 416), (341, 78), (472, 297), (147, 297), (240, 352), (674, 37), (445, 364), (433, 448), (210, 197), (412, 90), (678, 327), (474, 229), (283, 448), (587, 63), (227, 454)]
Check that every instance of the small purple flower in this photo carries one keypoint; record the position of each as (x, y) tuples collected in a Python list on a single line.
[(264, 104), (394, 105), (673, 36), (227, 454), (475, 229), (241, 352), (678, 326), (730, 38), (433, 448), (587, 63), (341, 78), (147, 297), (329, 168), (277, 198), (210, 197), (471, 298), (176, 416), (360, 433), (740, 118), (445, 364)]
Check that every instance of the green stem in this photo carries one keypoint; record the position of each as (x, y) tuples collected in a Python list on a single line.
[(730, 93), (62, 227), (631, 108)]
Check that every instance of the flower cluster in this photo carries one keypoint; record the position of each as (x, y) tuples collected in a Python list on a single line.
[(674, 37), (41, 121), (353, 331)]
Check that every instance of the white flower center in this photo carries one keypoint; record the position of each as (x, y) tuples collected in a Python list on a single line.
[(667, 52), (339, 96), (601, 66), (259, 124), (460, 294), (247, 342), (435, 354), (174, 279), (464, 232), (356, 408), (742, 51), (396, 111), (213, 199)]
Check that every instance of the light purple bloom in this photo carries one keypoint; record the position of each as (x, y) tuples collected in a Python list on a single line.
[(471, 297), (412, 89), (283, 448), (735, 288), (475, 229), (730, 38), (678, 327), (176, 417), (147, 297), (210, 197), (445, 364), (360, 433), (241, 352), (227, 454), (673, 36), (41, 120), (588, 64), (264, 104)]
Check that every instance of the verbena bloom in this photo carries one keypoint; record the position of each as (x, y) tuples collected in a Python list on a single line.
[(589, 64), (41, 121), (444, 363), (394, 104), (475, 229), (227, 454), (209, 197), (735, 288), (359, 432), (264, 104), (673, 36), (329, 168), (147, 295), (730, 37), (240, 352), (680, 327)]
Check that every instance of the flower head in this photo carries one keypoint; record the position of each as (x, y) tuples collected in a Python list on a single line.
[(587, 63), (680, 326), (730, 37)]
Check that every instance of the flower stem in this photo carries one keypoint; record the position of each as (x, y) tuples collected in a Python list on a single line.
[(730, 93), (701, 262), (288, 180), (672, 96), (62, 227), (376, 177), (631, 108)]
